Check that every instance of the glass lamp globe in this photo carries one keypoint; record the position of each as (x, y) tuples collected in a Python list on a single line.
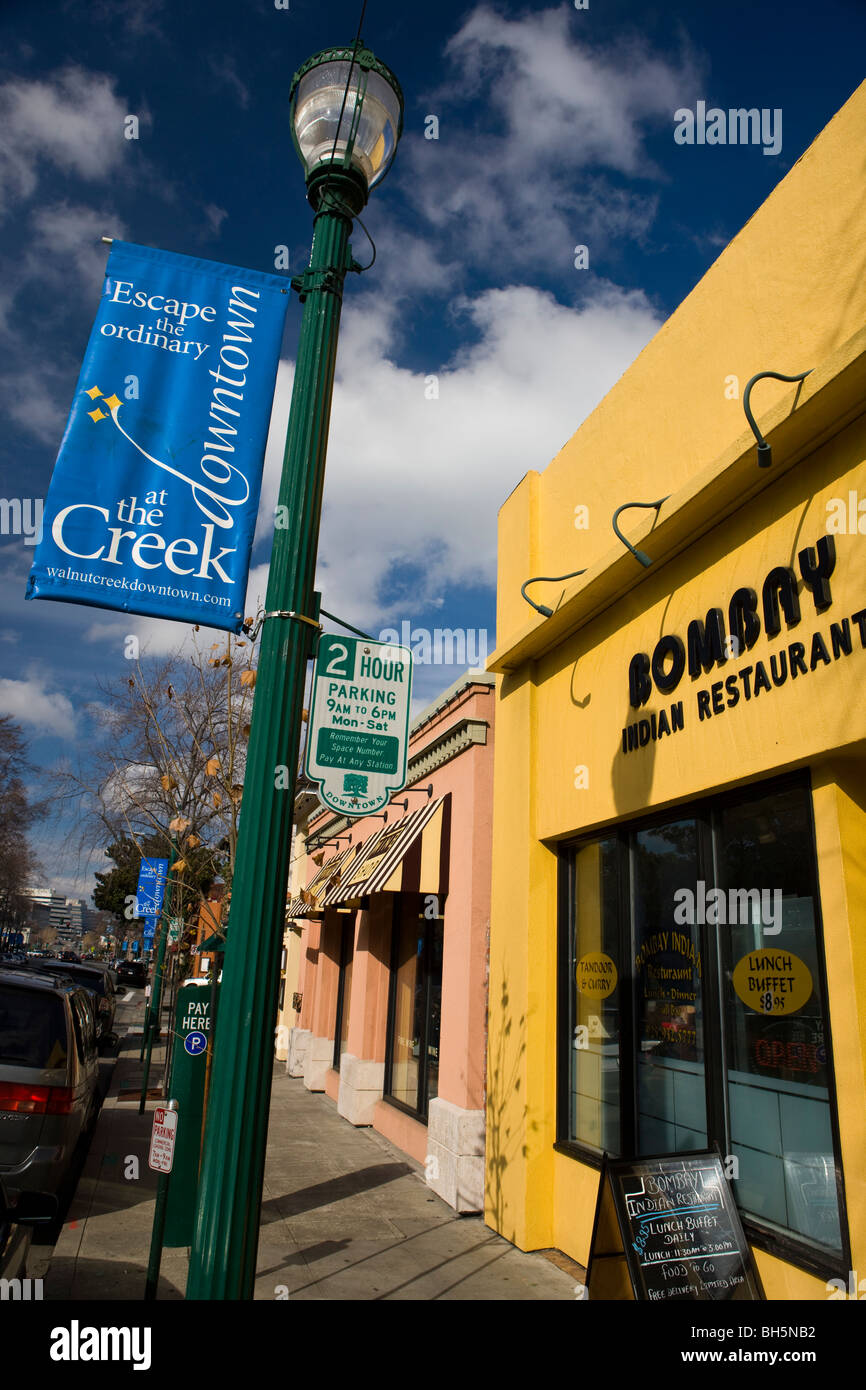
[(365, 139)]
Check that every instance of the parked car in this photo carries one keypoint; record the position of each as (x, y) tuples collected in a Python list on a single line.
[(97, 979), (108, 966), (49, 1071), (132, 972), (16, 1221)]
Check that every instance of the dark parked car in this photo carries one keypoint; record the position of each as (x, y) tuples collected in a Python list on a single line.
[(98, 981), (49, 1069), (132, 972)]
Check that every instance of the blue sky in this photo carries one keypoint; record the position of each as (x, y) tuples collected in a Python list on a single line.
[(556, 129)]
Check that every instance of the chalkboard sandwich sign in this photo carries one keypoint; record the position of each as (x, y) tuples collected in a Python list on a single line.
[(667, 1229)]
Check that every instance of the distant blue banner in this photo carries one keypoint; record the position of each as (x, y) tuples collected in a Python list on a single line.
[(152, 505), (151, 887)]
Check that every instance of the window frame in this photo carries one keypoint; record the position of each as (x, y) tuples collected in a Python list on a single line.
[(347, 944), (706, 813), (422, 1111)]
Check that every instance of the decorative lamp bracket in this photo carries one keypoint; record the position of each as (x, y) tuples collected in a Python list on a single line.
[(765, 453), (639, 555)]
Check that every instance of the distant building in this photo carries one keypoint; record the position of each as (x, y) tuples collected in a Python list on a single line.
[(66, 916)]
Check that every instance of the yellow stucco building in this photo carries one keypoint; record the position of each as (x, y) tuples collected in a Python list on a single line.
[(678, 934)]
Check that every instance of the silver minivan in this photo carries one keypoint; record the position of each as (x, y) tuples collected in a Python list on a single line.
[(49, 1072)]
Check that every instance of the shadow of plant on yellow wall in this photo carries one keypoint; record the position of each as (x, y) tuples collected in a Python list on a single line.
[(507, 1125)]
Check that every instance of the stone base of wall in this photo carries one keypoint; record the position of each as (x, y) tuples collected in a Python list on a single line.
[(318, 1062), (299, 1042), (455, 1155), (361, 1085)]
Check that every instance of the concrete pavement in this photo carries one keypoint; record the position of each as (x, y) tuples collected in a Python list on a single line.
[(345, 1216)]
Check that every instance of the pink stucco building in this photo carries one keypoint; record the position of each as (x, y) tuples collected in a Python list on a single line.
[(394, 925)]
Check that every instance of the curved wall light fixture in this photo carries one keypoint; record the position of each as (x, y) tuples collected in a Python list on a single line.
[(638, 554), (765, 453), (545, 579)]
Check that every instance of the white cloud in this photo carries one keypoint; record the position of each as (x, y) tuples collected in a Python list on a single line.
[(64, 256), (39, 409), (69, 123), (417, 482), (215, 216), (136, 18), (65, 237), (559, 100), (158, 636), (72, 120), (224, 70), (556, 159), (31, 704), (523, 183)]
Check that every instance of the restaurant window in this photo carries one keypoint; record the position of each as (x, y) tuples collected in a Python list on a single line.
[(694, 1008), (344, 989), (415, 1004)]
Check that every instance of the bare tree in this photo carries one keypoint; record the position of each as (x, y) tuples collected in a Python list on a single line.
[(17, 814), (169, 770)]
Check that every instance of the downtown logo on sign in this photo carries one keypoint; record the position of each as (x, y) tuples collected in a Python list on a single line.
[(358, 733), (153, 501)]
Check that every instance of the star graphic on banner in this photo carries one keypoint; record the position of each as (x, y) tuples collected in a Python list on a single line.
[(111, 401)]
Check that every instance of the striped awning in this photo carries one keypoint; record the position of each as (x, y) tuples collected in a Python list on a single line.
[(310, 898), (410, 856)]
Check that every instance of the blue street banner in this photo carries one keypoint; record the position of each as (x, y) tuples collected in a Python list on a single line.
[(152, 505), (150, 892)]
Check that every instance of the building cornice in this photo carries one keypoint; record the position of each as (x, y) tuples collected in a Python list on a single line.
[(453, 741)]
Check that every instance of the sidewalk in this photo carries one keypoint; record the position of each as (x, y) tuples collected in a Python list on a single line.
[(345, 1216), (104, 1246)]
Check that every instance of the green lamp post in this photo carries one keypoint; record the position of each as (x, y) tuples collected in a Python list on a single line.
[(347, 116)]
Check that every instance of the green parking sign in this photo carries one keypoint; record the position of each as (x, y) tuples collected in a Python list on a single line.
[(358, 733)]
